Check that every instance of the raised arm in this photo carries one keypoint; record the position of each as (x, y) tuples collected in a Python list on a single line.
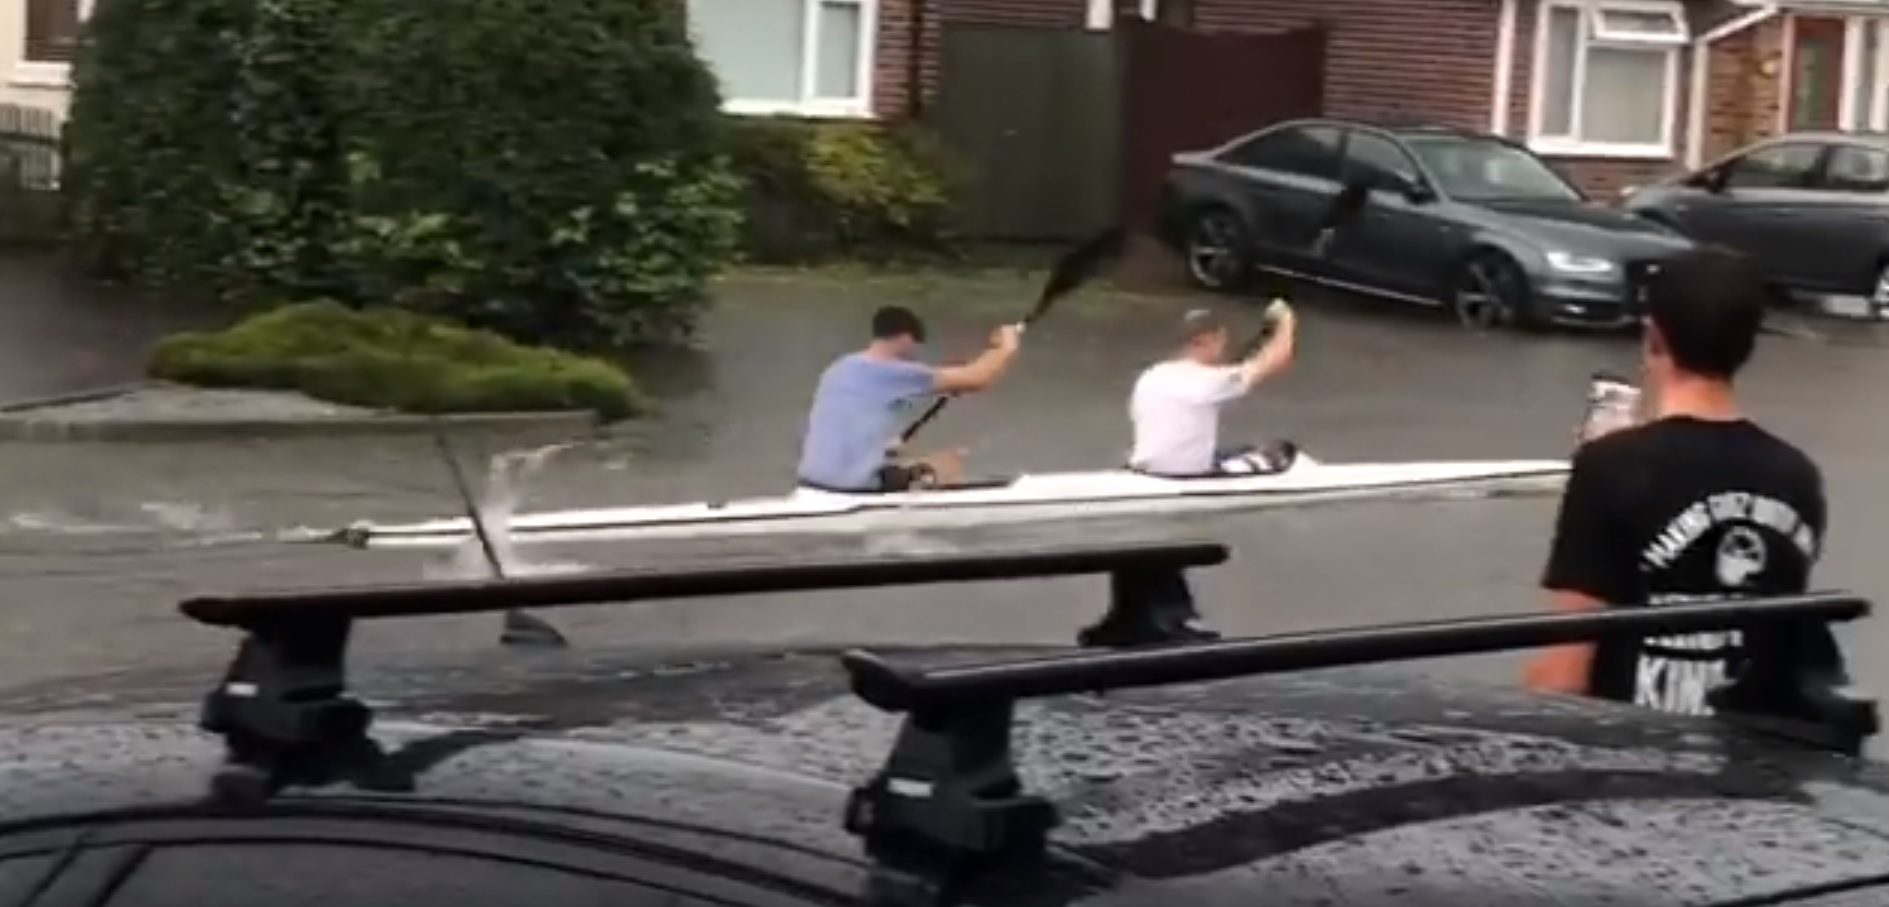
[(1275, 354), (983, 371)]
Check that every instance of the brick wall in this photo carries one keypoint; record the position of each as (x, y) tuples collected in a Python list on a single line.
[(1427, 60), (1744, 89)]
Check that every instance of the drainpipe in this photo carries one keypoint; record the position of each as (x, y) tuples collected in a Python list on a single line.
[(915, 60), (1697, 89)]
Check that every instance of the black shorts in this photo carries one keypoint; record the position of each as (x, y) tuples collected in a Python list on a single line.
[(906, 476), (893, 477)]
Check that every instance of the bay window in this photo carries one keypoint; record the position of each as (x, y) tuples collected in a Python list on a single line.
[(805, 57), (1606, 77)]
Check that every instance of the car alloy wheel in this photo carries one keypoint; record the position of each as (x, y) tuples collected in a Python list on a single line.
[(1490, 293), (1217, 250)]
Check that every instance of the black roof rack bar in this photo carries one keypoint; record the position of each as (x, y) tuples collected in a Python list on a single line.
[(948, 808), (902, 689), (427, 599), (287, 719)]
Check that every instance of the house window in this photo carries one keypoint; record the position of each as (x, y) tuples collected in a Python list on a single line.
[(1606, 77), (52, 29), (805, 57)]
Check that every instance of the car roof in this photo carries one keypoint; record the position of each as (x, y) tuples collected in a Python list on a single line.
[(1208, 772), (1880, 139), (1404, 128), (1375, 783)]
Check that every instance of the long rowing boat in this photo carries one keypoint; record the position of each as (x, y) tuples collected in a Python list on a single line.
[(1027, 498)]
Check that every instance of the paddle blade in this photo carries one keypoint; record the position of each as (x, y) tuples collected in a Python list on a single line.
[(1077, 267)]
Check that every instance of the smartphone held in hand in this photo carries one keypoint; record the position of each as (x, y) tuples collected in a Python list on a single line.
[(1613, 403)]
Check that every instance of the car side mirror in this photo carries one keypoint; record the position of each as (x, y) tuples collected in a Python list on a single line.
[(1417, 193)]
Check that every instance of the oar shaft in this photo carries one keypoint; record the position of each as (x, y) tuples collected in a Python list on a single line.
[(471, 503)]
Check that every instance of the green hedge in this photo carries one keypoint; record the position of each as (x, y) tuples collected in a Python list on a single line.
[(555, 173), (389, 359), (822, 189)]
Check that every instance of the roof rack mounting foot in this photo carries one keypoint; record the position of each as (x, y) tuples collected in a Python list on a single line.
[(1147, 607), (286, 719), (1795, 685), (946, 806), (523, 629)]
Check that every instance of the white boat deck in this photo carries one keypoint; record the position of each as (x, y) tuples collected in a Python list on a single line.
[(1045, 496)]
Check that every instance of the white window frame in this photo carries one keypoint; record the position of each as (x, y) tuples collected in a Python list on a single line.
[(1592, 36), (37, 73), (1874, 112), (810, 104)]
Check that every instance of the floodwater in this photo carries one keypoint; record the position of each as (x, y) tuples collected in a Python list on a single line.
[(97, 543)]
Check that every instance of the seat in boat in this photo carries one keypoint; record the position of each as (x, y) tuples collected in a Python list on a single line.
[(1263, 460)]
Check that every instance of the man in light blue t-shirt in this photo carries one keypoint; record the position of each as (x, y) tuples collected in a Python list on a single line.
[(861, 402)]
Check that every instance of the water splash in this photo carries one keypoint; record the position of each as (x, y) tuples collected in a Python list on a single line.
[(504, 493), (149, 518)]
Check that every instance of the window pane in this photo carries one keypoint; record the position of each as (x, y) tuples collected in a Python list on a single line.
[(1557, 72), (1855, 169), (1378, 163), (1618, 23), (1304, 150), (752, 45), (1625, 101), (842, 30), (52, 30), (1775, 167)]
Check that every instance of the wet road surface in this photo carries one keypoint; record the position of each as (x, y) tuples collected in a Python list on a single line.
[(98, 542)]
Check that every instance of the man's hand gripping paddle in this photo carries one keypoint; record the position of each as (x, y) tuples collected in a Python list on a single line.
[(1344, 210), (1072, 271)]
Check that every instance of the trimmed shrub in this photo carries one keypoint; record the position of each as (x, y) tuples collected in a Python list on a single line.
[(821, 189), (390, 359), (558, 178)]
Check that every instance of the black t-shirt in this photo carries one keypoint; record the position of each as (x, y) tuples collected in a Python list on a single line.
[(1683, 509)]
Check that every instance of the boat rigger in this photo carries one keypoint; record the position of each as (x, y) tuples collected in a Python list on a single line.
[(1059, 496)]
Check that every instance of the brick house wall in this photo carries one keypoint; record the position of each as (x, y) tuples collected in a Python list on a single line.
[(1744, 89)]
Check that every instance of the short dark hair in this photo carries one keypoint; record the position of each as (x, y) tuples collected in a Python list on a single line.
[(1199, 323), (895, 321), (1708, 305)]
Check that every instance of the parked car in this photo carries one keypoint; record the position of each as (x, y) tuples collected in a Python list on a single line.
[(1811, 208), (1171, 774), (1468, 221)]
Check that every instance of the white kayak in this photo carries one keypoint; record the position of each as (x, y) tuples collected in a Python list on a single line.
[(1057, 496)]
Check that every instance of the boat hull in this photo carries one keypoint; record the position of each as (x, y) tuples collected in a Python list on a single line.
[(1028, 498)]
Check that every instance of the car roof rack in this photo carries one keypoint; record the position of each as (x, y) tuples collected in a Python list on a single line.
[(287, 719), (948, 805)]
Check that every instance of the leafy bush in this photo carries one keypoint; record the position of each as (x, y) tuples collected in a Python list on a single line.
[(389, 359), (822, 189), (552, 174)]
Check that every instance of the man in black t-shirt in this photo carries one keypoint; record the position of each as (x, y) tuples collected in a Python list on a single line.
[(1696, 503)]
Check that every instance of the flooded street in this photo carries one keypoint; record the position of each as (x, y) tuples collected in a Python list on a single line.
[(98, 542)]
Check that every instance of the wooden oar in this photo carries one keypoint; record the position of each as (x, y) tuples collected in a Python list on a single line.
[(1076, 268)]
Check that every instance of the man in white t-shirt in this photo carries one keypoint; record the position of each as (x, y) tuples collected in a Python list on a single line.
[(1176, 403)]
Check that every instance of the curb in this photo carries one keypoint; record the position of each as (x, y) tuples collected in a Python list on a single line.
[(14, 407), (20, 420)]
